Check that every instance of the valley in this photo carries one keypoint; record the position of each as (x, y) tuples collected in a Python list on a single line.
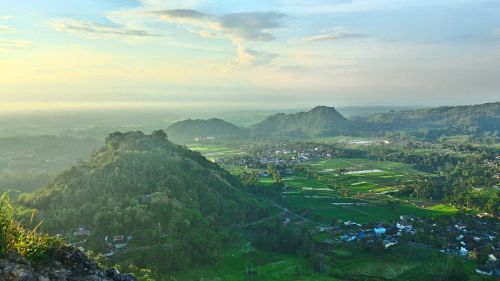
[(230, 204)]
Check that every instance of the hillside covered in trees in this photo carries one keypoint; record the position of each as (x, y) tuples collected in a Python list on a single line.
[(155, 192), (319, 121), (202, 129), (323, 121), (447, 120)]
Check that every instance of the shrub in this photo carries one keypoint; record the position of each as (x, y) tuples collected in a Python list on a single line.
[(13, 236)]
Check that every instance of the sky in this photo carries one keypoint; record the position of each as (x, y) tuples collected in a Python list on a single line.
[(253, 54)]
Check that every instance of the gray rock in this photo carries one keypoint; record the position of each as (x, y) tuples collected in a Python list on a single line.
[(63, 264)]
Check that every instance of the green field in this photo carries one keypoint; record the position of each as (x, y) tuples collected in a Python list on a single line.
[(214, 151), (360, 193), (363, 175), (373, 212), (268, 266), (366, 182), (401, 262), (446, 209)]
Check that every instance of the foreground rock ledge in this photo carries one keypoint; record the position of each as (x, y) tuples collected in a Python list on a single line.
[(65, 263)]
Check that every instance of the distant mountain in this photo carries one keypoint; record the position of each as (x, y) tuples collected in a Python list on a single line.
[(470, 119), (148, 188), (319, 121), (431, 122), (200, 128)]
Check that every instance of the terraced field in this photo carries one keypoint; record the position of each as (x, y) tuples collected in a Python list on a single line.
[(363, 175), (267, 266), (359, 193), (212, 152), (398, 263)]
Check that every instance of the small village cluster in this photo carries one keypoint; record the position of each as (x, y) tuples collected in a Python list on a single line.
[(279, 155), (475, 239), (113, 243)]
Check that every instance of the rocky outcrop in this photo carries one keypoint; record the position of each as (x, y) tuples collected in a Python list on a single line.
[(66, 263)]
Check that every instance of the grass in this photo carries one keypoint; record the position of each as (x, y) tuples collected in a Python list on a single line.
[(29, 244), (363, 175), (401, 262), (373, 212), (269, 266), (319, 193), (445, 209), (214, 151)]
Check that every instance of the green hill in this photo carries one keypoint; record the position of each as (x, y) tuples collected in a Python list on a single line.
[(470, 119), (319, 121), (168, 198), (202, 129), (432, 122)]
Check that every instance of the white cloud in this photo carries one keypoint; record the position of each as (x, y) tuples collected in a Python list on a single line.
[(238, 27), (95, 30), (338, 33), (5, 17), (5, 29), (14, 44), (247, 56), (247, 26)]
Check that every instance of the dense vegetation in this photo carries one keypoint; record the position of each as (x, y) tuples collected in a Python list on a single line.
[(177, 210), (480, 121), (433, 122), (198, 128), (320, 121), (13, 236), (159, 193)]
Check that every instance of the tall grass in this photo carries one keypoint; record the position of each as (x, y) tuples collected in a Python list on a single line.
[(13, 236)]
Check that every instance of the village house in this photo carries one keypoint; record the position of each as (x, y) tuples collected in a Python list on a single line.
[(81, 232), (380, 230), (404, 226)]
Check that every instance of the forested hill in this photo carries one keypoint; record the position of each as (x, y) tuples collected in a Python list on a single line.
[(202, 129), (433, 122), (136, 184), (319, 121), (470, 119)]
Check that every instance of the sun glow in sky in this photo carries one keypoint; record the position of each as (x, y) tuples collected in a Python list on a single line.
[(284, 53)]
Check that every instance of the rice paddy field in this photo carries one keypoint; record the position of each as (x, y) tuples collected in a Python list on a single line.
[(401, 262), (360, 193), (267, 266), (214, 151)]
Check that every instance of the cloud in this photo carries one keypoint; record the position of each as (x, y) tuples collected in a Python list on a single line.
[(96, 30), (4, 29), (252, 26), (337, 34), (176, 14), (5, 17), (252, 57), (247, 26), (14, 44), (330, 37), (238, 27)]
